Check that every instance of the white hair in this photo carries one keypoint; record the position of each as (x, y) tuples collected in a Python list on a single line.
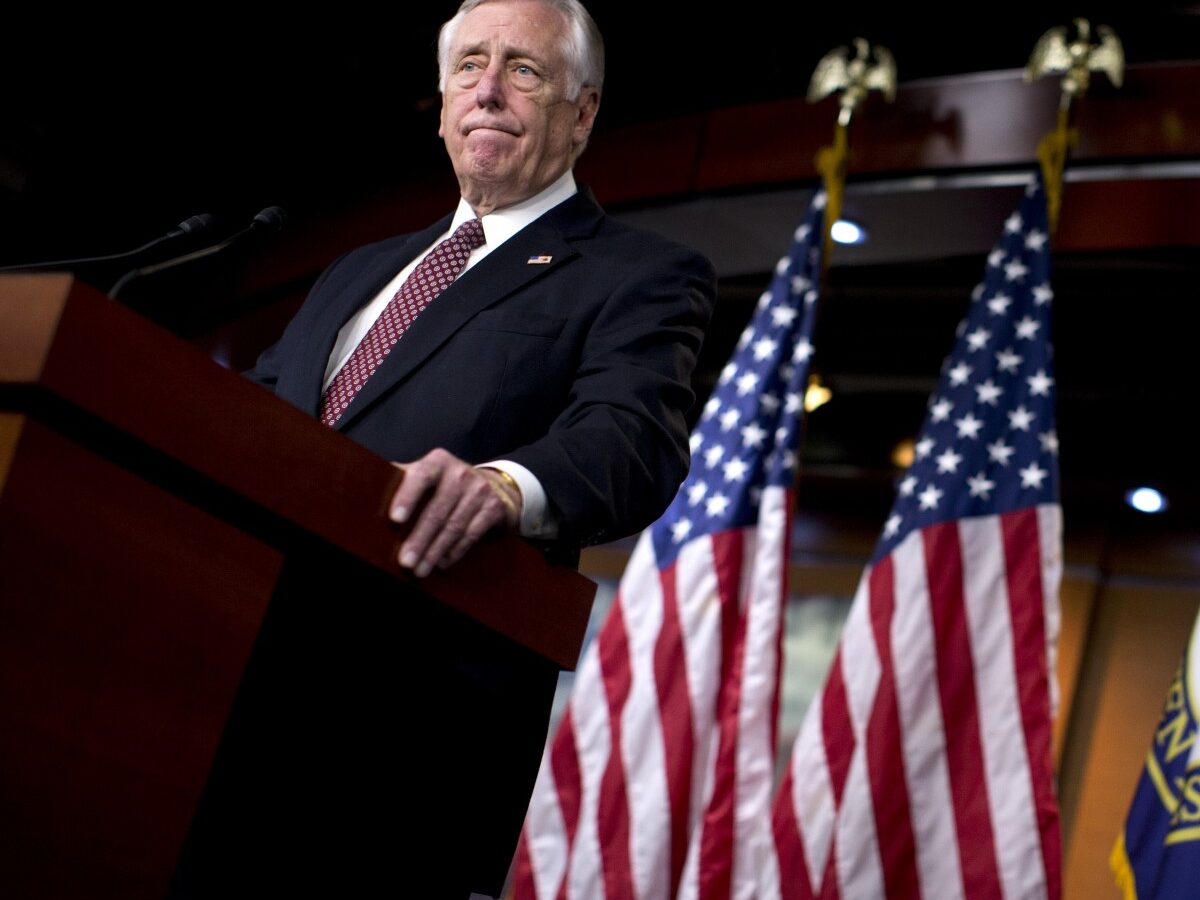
[(583, 48)]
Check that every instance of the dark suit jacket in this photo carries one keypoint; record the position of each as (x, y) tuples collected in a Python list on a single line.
[(577, 369)]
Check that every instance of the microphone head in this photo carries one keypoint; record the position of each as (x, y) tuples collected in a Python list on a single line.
[(197, 224), (273, 217)]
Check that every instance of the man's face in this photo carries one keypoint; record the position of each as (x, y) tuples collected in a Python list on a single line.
[(508, 125)]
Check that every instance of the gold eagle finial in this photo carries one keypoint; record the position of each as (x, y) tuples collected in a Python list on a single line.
[(1077, 57), (870, 68)]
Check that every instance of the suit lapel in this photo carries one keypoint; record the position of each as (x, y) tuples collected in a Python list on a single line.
[(502, 273)]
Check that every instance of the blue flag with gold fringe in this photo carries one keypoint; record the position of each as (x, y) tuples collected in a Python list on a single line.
[(1158, 854)]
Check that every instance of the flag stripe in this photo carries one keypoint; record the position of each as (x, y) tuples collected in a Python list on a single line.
[(613, 810), (793, 876), (889, 791), (1024, 564), (642, 739), (856, 845), (923, 735), (956, 688), (716, 842), (1010, 793), (763, 618), (812, 799), (593, 740), (839, 740), (675, 712)]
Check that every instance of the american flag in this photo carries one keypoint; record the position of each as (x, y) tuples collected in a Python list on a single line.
[(923, 769), (658, 782)]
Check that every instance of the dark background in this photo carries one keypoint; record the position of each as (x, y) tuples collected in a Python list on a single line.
[(114, 128)]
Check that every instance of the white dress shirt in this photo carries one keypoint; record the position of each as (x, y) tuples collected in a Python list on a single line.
[(498, 226)]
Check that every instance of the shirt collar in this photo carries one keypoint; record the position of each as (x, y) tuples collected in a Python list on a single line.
[(501, 224)]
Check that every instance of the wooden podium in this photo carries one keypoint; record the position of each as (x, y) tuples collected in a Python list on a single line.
[(214, 678)]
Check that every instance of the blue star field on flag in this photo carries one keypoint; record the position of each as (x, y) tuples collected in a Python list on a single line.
[(750, 428), (988, 444)]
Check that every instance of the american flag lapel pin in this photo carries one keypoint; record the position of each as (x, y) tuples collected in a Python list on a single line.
[(539, 260)]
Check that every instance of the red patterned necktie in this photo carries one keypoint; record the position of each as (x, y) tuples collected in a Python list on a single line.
[(433, 274)]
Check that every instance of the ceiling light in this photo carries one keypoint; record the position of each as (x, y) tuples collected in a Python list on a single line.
[(1147, 500), (845, 231), (903, 453), (817, 394)]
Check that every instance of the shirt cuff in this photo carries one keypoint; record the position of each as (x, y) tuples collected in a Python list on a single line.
[(536, 519)]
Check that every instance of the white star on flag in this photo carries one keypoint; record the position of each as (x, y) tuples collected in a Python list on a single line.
[(941, 410), (1015, 270), (783, 316), (979, 486), (999, 452), (746, 383), (735, 470), (1032, 475), (681, 529), (696, 492), (1007, 360), (1049, 441), (892, 525), (948, 461), (929, 497), (968, 426), (1027, 328), (988, 392), (960, 374), (764, 348), (978, 338), (908, 485), (716, 505), (753, 435), (1040, 383), (803, 351), (1013, 223), (923, 447), (729, 418), (998, 304), (1035, 240), (1020, 419)]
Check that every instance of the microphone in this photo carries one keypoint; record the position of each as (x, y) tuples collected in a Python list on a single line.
[(191, 226), (270, 219)]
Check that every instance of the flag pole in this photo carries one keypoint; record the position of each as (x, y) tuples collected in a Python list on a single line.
[(870, 69), (1076, 58)]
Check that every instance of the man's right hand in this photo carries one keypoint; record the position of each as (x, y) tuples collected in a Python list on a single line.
[(462, 504)]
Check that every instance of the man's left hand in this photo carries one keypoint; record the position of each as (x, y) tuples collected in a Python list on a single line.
[(465, 504)]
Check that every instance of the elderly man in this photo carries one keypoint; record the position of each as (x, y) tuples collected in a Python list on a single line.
[(548, 360), (526, 359)]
